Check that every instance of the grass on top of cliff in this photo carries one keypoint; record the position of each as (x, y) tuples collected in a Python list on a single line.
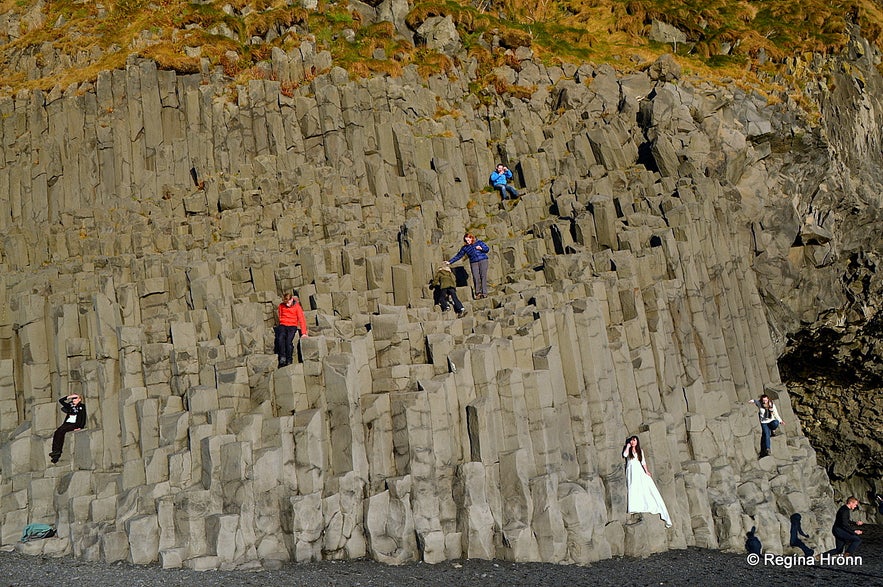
[(68, 41)]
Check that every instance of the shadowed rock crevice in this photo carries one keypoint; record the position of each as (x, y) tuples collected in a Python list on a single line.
[(835, 383)]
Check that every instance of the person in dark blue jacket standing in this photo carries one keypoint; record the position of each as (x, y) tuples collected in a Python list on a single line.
[(75, 419), (500, 178), (477, 252)]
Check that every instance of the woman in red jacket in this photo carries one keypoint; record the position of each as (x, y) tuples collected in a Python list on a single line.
[(292, 324)]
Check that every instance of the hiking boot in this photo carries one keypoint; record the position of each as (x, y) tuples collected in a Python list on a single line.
[(462, 313), (54, 456)]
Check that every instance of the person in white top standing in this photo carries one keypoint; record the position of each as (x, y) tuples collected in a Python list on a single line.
[(769, 421)]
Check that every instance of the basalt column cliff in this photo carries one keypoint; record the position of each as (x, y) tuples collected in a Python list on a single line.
[(151, 221)]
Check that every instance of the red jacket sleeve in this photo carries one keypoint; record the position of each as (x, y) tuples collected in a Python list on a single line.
[(301, 319)]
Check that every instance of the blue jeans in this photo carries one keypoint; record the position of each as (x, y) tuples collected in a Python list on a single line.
[(503, 187), (766, 433)]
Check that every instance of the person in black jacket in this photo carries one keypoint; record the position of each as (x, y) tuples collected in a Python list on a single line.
[(843, 532), (75, 409)]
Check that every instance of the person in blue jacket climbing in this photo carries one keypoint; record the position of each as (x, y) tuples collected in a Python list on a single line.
[(500, 179), (476, 251)]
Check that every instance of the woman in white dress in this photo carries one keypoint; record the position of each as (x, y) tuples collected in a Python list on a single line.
[(643, 495)]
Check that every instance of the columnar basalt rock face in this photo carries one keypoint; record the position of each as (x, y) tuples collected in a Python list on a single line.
[(816, 262), (623, 303)]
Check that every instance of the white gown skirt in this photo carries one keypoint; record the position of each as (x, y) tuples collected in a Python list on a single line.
[(644, 497)]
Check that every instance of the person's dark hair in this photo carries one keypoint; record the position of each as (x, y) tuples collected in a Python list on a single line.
[(638, 452)]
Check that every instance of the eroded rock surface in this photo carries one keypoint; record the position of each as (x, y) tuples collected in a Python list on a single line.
[(154, 219)]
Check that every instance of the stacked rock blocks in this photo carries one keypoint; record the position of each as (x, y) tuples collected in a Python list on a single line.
[(623, 303)]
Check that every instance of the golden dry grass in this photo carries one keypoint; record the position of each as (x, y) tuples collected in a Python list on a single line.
[(557, 31)]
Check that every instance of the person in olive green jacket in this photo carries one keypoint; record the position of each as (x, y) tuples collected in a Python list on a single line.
[(445, 286)]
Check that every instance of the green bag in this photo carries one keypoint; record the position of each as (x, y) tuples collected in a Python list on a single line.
[(36, 532)]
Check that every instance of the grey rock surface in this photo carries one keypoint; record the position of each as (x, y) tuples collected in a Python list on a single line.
[(662, 32), (628, 289), (440, 33)]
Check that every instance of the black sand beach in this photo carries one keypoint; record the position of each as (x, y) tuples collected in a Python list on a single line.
[(681, 567)]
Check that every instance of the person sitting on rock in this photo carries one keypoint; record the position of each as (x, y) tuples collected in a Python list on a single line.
[(769, 421), (500, 178), (445, 285), (75, 409), (292, 324)]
